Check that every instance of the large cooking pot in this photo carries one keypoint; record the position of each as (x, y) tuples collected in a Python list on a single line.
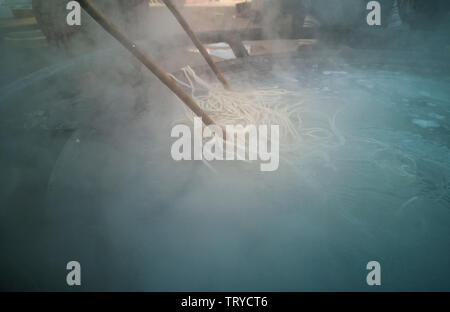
[(137, 220)]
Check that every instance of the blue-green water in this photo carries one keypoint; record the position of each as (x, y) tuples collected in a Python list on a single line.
[(114, 200)]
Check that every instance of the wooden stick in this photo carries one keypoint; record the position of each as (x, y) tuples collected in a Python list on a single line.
[(145, 60), (197, 42)]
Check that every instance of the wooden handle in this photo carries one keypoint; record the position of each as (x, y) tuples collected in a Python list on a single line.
[(197, 42)]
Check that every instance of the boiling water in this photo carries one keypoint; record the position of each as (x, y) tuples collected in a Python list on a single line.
[(378, 189)]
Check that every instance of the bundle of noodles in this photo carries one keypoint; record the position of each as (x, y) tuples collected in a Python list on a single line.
[(264, 106)]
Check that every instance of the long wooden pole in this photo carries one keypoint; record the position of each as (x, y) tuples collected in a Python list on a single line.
[(144, 59), (197, 42)]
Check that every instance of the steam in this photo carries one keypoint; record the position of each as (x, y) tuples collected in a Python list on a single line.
[(374, 185)]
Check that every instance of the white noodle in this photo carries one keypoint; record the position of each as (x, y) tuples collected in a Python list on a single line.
[(262, 106), (254, 107)]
